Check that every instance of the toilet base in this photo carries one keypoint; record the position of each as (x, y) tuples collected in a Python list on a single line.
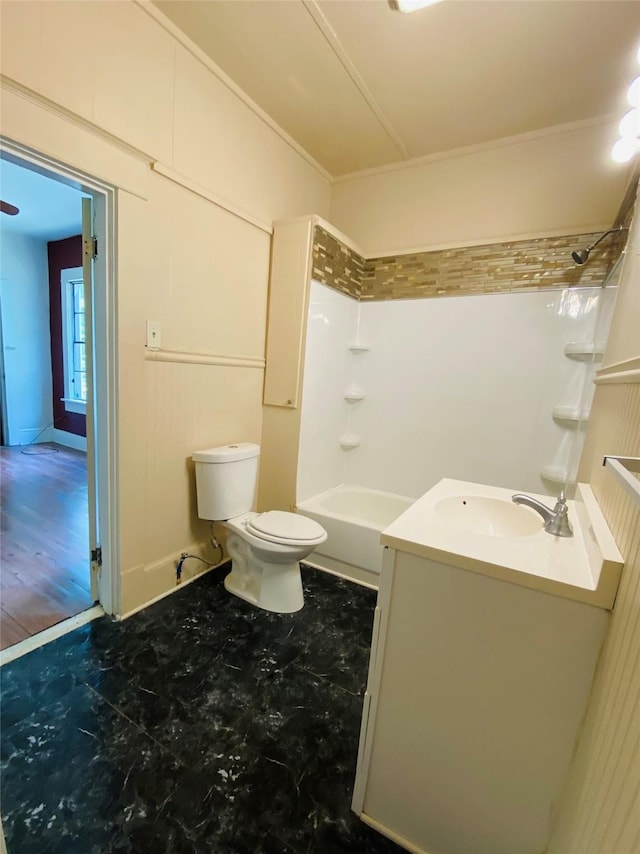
[(273, 587)]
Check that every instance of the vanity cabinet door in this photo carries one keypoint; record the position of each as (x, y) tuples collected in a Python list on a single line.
[(474, 708)]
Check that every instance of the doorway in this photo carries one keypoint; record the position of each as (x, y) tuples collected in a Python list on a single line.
[(57, 394)]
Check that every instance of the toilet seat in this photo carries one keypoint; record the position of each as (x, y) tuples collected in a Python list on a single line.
[(279, 526)]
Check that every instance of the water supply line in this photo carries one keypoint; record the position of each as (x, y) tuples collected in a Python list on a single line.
[(186, 556)]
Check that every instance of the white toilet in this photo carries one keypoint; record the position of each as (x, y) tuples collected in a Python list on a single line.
[(265, 548)]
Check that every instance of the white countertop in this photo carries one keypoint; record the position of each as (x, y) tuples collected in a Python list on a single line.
[(585, 567)]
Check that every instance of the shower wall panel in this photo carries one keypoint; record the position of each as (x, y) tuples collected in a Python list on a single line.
[(331, 325), (464, 388), (460, 388)]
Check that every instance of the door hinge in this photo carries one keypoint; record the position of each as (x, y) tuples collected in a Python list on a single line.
[(96, 556), (91, 247)]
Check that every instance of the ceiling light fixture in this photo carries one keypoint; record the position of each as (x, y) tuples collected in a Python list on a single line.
[(411, 5), (629, 143)]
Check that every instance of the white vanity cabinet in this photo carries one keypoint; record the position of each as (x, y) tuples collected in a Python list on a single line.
[(477, 689)]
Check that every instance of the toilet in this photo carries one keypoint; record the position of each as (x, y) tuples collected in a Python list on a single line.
[(265, 548)]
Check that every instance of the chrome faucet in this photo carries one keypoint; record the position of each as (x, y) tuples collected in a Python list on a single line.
[(556, 521)]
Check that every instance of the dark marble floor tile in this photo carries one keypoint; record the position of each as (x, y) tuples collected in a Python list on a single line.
[(272, 806), (192, 715), (349, 834), (78, 776), (339, 652), (341, 658), (306, 724), (199, 725), (50, 672), (326, 590)]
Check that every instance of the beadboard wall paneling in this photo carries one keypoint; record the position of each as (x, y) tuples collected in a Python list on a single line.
[(601, 810), (187, 407)]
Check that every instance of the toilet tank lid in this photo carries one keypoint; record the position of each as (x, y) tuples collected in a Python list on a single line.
[(227, 453)]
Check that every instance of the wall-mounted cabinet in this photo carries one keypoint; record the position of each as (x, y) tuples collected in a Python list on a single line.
[(288, 298)]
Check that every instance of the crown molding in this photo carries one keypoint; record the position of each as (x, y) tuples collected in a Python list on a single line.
[(465, 151)]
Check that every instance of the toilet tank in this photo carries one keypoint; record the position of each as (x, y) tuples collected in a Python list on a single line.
[(226, 480)]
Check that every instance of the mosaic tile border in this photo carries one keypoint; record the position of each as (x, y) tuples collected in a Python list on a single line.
[(336, 265), (520, 265)]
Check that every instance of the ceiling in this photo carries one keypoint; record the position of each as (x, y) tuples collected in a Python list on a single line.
[(49, 210), (359, 85)]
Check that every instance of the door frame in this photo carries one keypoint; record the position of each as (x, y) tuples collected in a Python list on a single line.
[(4, 420), (105, 347)]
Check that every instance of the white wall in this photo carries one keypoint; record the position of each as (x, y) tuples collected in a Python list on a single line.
[(24, 306), (559, 182), (182, 258), (459, 387)]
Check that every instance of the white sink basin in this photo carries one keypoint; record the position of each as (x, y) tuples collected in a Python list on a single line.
[(491, 517), (476, 527)]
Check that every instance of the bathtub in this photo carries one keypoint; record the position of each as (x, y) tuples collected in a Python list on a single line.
[(353, 517)]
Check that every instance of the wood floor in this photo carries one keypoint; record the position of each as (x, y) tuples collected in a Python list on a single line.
[(44, 544)]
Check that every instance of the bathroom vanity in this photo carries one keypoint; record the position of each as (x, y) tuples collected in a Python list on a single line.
[(485, 642)]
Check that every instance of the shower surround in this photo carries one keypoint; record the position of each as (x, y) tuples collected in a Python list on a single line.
[(379, 377), (400, 394)]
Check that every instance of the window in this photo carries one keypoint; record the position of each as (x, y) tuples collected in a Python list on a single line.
[(73, 340)]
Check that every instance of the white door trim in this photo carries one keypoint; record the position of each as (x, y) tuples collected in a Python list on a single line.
[(105, 344)]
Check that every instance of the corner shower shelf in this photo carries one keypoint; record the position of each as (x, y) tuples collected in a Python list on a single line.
[(569, 413), (556, 474), (353, 394), (348, 441), (359, 346), (585, 350)]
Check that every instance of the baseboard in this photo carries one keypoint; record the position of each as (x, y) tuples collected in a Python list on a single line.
[(31, 435), (145, 584), (69, 440)]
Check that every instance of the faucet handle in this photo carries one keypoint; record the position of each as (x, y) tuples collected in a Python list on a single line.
[(559, 524)]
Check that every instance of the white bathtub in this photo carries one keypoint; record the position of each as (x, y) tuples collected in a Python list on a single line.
[(353, 517)]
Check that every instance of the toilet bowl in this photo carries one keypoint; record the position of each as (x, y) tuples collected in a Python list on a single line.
[(265, 548)]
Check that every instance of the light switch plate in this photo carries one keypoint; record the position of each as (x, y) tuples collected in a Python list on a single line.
[(154, 340)]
